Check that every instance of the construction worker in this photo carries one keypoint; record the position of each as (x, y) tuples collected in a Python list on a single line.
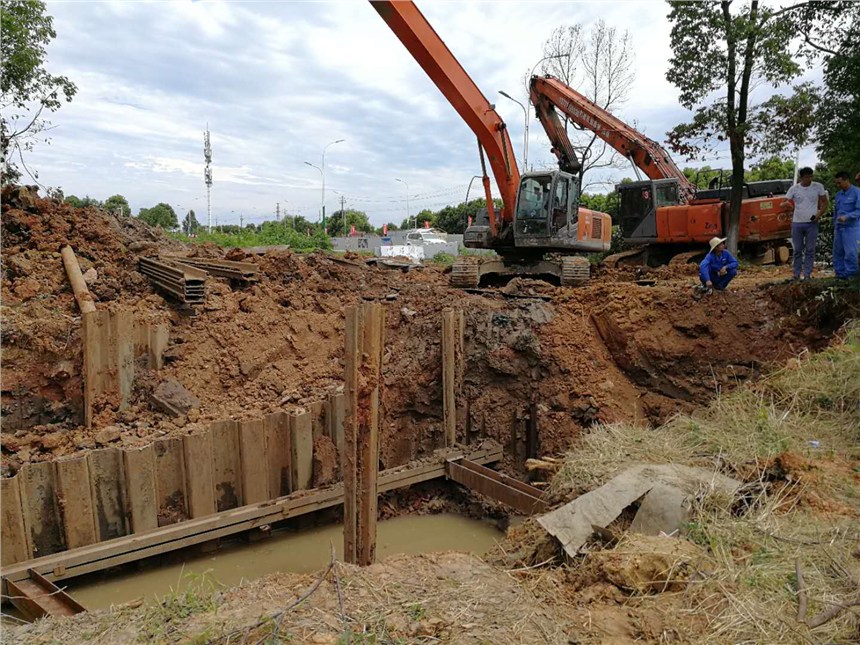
[(808, 201), (717, 269), (846, 228)]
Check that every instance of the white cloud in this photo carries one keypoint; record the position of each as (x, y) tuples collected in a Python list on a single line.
[(277, 81)]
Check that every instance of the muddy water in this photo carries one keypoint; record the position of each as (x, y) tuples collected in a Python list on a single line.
[(298, 552)]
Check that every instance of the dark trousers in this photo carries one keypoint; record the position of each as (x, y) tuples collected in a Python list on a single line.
[(720, 282)]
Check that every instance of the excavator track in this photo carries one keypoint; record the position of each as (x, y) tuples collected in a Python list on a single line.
[(685, 258), (625, 258), (465, 274), (575, 271)]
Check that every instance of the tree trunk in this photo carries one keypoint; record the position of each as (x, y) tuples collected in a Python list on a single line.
[(733, 224)]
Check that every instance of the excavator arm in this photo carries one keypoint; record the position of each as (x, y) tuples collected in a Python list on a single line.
[(549, 93), (437, 61)]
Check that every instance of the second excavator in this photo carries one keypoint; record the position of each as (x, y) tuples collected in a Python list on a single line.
[(664, 217)]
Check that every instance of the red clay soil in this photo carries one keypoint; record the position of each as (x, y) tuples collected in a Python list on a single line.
[(614, 350)]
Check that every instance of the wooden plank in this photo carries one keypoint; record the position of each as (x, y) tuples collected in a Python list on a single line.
[(98, 557), (141, 338), (255, 472), (452, 355), (107, 484), (226, 464), (199, 482), (140, 486), (302, 451), (14, 546), (76, 502), (279, 454), (318, 422), (39, 503), (171, 500), (93, 332), (159, 334), (123, 323), (335, 423), (365, 325)]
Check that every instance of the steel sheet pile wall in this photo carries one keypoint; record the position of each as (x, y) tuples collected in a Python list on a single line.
[(49, 507)]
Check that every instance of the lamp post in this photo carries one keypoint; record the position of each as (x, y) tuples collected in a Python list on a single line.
[(406, 183), (525, 132), (527, 108), (308, 163), (323, 176)]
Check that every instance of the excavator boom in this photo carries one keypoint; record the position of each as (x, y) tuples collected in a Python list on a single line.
[(437, 61), (548, 93)]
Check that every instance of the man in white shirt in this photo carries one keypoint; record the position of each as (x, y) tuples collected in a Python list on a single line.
[(808, 199)]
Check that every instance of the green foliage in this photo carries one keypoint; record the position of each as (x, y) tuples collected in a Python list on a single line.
[(161, 215), (717, 58), (26, 88), (117, 204), (86, 202), (838, 116), (268, 234), (445, 259), (608, 203), (341, 222), (771, 168), (190, 225)]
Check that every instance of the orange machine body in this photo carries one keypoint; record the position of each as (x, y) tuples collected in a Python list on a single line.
[(700, 220)]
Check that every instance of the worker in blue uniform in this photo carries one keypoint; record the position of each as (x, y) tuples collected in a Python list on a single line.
[(846, 228), (718, 268)]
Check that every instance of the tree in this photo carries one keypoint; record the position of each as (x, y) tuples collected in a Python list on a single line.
[(86, 202), (190, 225), (117, 204), (717, 51), (161, 215), (771, 168), (341, 222), (830, 30), (600, 67), (26, 88)]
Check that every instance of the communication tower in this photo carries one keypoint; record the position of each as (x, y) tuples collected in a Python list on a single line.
[(207, 175)]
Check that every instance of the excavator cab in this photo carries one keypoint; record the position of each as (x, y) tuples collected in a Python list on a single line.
[(639, 203), (546, 210)]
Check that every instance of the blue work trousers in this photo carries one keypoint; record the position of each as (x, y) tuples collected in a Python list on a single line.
[(846, 243), (720, 282), (803, 239)]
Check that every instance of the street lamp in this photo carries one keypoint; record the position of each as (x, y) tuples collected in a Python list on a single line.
[(323, 176), (406, 183), (308, 163), (526, 131), (527, 107)]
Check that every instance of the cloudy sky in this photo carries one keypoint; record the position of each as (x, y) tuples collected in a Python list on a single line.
[(277, 81)]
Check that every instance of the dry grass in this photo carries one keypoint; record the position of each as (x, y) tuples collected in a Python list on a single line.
[(801, 503)]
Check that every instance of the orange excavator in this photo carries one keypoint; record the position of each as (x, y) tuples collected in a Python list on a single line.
[(664, 217), (540, 227)]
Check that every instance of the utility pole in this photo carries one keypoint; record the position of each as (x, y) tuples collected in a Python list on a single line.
[(207, 176), (241, 221), (278, 211)]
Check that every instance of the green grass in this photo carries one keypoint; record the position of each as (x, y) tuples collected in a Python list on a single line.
[(807, 515), (270, 234)]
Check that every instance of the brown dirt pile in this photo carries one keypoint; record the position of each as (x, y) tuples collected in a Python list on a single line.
[(611, 351)]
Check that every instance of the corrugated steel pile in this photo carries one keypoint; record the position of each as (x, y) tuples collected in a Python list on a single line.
[(185, 283), (184, 278), (241, 271)]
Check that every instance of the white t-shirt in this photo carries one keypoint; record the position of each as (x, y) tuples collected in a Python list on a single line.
[(805, 201)]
